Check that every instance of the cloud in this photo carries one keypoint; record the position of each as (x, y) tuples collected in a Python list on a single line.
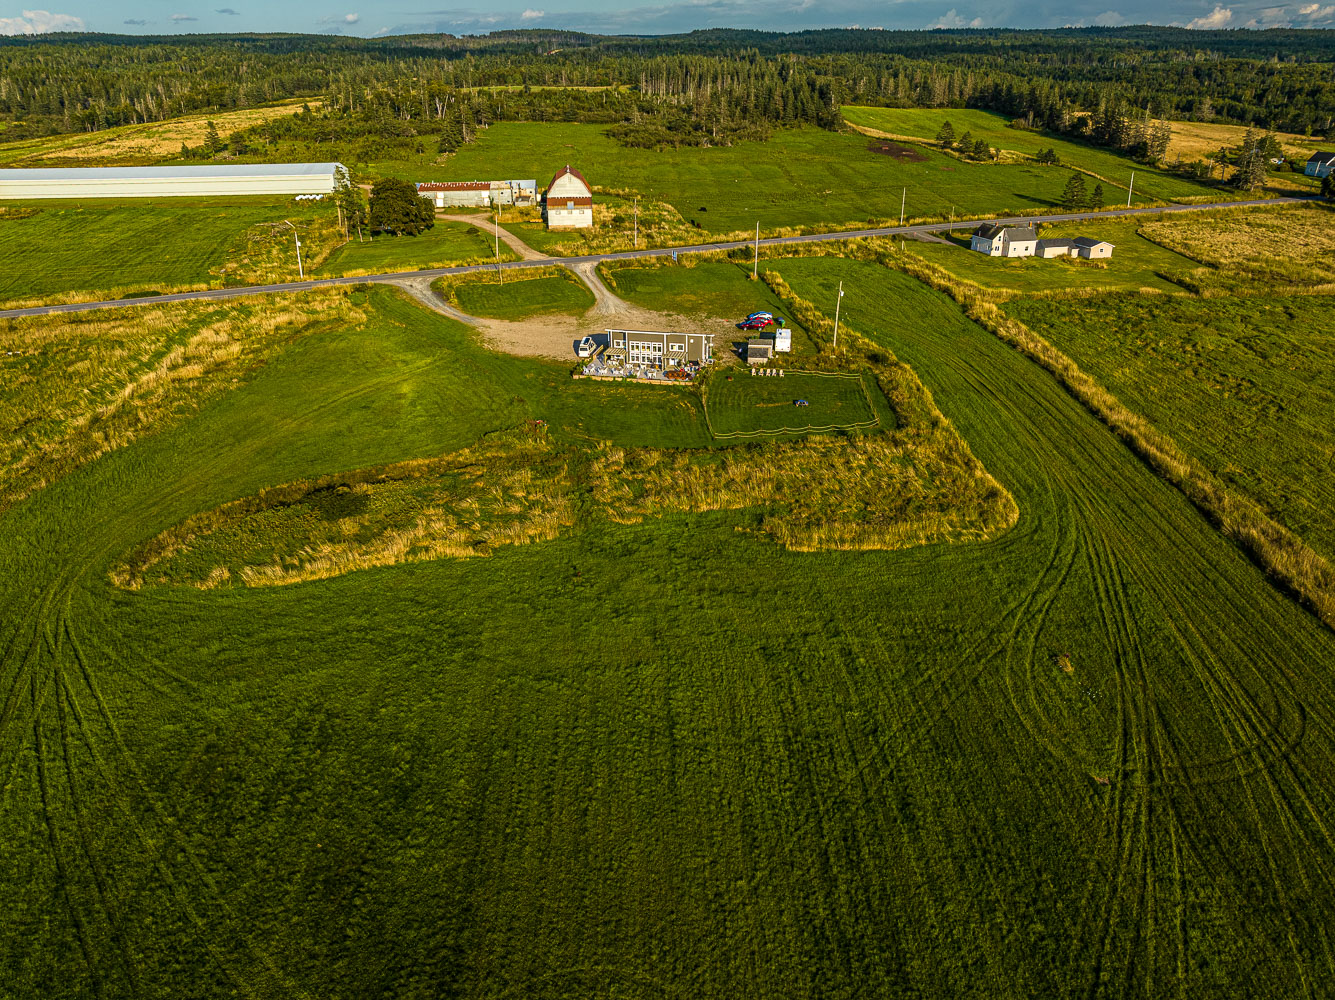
[(228, 11), (183, 17), (137, 22), (953, 19), (380, 31), (532, 15), (39, 22), (1315, 12), (351, 18), (1108, 19), (1217, 18)]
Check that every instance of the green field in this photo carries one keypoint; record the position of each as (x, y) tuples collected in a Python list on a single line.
[(139, 244), (1241, 384), (800, 177), (741, 404), (443, 245), (1136, 262), (522, 296), (1112, 168), (1087, 758)]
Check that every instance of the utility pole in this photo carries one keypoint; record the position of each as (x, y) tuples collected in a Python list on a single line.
[(499, 278), (755, 255), (300, 271), (837, 303), (635, 240), (903, 198), (1129, 187)]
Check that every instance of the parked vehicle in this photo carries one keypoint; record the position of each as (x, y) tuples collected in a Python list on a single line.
[(754, 324), (586, 348), (761, 315)]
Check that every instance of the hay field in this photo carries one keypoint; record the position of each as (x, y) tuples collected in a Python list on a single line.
[(1297, 242), (136, 145)]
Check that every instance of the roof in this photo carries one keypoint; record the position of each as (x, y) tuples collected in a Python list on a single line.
[(1048, 244), (1020, 233), (568, 169), (991, 230), (168, 173), (1321, 157), (522, 184), (1088, 242), (570, 203), (455, 186), (758, 347)]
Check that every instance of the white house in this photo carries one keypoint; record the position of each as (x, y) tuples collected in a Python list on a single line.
[(569, 200), (184, 181), (1005, 241)]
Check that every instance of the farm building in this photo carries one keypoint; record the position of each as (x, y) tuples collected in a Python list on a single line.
[(479, 194), (662, 350), (1004, 241), (1319, 164), (1048, 249), (1086, 246), (758, 352), (569, 200), (193, 181)]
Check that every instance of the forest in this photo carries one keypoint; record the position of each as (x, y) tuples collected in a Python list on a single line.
[(700, 88)]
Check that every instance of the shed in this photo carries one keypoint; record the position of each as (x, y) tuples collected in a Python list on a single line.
[(1055, 248), (467, 194), (184, 181), (1088, 247), (758, 352)]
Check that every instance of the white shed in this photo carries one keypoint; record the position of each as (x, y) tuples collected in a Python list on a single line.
[(184, 181)]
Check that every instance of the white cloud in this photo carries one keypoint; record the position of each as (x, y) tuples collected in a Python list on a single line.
[(953, 19), (532, 15), (1315, 12), (1217, 18), (39, 22), (184, 17), (351, 18), (380, 31), (1108, 19)]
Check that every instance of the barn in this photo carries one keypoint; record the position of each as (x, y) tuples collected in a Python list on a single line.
[(569, 200), (184, 181)]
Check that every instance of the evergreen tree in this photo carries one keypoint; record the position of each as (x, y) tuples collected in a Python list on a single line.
[(1073, 195), (981, 150), (1096, 198), (965, 142), (946, 136), (213, 142), (1253, 169)]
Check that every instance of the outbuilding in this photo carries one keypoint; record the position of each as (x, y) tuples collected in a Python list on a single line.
[(1048, 249), (569, 200), (185, 181), (1087, 246), (457, 194), (758, 352)]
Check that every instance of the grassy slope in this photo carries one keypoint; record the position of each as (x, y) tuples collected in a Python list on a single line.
[(444, 244), (664, 758), (1241, 384), (1107, 164), (800, 177), (522, 297), (1136, 262)]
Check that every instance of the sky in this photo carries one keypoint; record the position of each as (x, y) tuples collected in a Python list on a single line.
[(654, 17)]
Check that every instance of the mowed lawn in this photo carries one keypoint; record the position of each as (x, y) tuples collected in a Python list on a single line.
[(1242, 384), (1136, 262), (1115, 170), (519, 296), (132, 245), (443, 245), (745, 401), (800, 177)]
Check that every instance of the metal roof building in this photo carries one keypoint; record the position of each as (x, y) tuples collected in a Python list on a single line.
[(184, 181)]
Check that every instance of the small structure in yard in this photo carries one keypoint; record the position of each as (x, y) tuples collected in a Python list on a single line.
[(1004, 241), (1319, 164), (1047, 249), (1090, 248), (660, 350), (479, 194), (569, 202), (759, 352), (783, 340)]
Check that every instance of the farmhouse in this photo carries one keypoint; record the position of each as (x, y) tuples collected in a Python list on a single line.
[(1319, 164), (656, 349), (569, 200), (193, 181), (479, 194), (1004, 241)]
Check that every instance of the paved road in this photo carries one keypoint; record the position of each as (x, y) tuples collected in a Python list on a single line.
[(399, 277)]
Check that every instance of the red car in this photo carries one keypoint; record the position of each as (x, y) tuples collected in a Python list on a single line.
[(754, 324)]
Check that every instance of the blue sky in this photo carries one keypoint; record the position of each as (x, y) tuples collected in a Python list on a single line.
[(655, 16)]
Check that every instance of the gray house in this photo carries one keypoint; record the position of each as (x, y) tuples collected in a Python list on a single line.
[(661, 350), (1005, 241), (1319, 164)]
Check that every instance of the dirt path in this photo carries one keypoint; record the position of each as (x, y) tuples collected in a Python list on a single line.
[(525, 251)]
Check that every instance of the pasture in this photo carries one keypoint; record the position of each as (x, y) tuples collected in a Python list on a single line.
[(1242, 384), (1136, 262), (800, 177), (674, 754), (522, 294), (1113, 169), (445, 244)]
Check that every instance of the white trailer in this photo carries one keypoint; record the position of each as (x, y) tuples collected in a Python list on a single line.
[(783, 340)]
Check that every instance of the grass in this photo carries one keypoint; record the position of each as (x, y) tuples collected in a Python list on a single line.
[(526, 293), (742, 405), (1087, 757), (1112, 169), (446, 244), (1136, 262), (89, 249), (800, 177), (135, 144), (1242, 385)]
